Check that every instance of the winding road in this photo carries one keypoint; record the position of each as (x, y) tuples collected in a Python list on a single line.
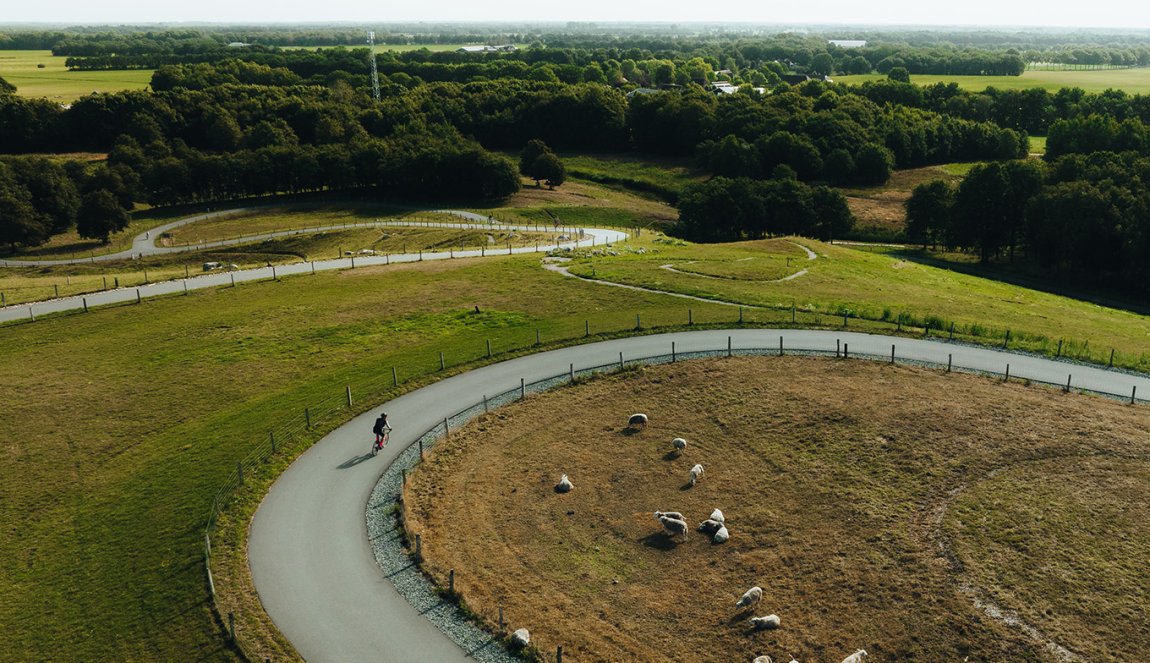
[(309, 552), (144, 244)]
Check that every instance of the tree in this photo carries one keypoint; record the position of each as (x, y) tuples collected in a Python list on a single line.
[(100, 216), (822, 64), (19, 223), (549, 168), (6, 87), (899, 75), (873, 164), (529, 159), (928, 212), (839, 167)]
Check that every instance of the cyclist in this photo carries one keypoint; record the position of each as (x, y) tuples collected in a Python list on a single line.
[(382, 430)]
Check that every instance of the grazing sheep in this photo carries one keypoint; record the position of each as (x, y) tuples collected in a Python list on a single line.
[(717, 516), (709, 527), (856, 657), (696, 472), (674, 527), (637, 421), (763, 623), (722, 535), (670, 514), (763, 659), (521, 637), (564, 485), (680, 444), (753, 596)]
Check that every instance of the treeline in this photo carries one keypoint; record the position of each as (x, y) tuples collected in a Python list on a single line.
[(1098, 133), (814, 129), (1034, 110), (433, 165), (40, 198), (1084, 218), (731, 209)]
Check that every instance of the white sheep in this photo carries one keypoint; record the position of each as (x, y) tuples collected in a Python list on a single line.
[(670, 514), (564, 485), (763, 623), (638, 420), (521, 637), (709, 526), (856, 657), (674, 527), (680, 444), (722, 535), (717, 516), (696, 472), (750, 598), (763, 659)]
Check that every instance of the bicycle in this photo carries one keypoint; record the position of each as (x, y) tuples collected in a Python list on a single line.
[(380, 441)]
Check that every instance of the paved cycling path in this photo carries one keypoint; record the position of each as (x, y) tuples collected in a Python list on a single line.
[(309, 553), (589, 237)]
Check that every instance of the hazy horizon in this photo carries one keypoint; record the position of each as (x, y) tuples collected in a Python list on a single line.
[(983, 14)]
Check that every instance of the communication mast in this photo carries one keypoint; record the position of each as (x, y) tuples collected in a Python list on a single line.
[(374, 71)]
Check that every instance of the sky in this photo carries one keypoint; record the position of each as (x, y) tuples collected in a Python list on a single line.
[(1040, 13)]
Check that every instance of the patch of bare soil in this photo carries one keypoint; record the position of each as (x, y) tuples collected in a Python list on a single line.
[(834, 476)]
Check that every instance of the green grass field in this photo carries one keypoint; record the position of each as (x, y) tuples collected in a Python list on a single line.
[(54, 81), (121, 425), (1133, 81)]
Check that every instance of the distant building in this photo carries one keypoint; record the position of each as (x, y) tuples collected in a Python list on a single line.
[(848, 43), (641, 90), (725, 87), (238, 44), (487, 48)]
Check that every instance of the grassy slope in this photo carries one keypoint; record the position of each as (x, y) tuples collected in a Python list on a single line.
[(123, 423), (54, 81), (877, 286), (1133, 81), (132, 416)]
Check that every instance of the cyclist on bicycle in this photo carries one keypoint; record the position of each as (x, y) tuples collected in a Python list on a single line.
[(381, 430)]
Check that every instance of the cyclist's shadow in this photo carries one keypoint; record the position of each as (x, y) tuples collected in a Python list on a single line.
[(356, 460)]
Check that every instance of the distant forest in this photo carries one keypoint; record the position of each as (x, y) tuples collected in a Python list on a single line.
[(231, 114)]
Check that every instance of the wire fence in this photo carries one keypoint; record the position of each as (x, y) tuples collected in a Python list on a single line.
[(303, 428)]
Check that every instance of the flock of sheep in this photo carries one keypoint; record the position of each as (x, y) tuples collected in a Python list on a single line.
[(675, 524)]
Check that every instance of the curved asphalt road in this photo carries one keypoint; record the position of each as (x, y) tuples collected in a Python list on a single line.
[(310, 558), (145, 246)]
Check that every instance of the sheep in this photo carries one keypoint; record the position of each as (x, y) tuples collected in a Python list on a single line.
[(763, 623), (670, 514), (763, 659), (753, 596), (638, 420), (717, 516), (564, 485), (680, 444), (722, 535), (696, 472), (674, 527), (856, 657), (521, 638), (710, 526)]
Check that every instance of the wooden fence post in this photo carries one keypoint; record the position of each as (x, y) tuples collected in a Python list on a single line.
[(349, 395), (728, 346), (892, 353)]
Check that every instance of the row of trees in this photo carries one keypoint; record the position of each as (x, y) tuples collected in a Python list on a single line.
[(1084, 217), (40, 198), (730, 209)]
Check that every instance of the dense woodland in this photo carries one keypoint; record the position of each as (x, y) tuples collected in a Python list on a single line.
[(224, 122)]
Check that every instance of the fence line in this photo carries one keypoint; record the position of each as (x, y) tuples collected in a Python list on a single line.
[(290, 434)]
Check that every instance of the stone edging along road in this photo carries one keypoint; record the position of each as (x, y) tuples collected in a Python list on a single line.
[(145, 246), (309, 549)]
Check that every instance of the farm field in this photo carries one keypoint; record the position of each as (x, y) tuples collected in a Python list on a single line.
[(1132, 81), (845, 486), (54, 81), (383, 48)]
